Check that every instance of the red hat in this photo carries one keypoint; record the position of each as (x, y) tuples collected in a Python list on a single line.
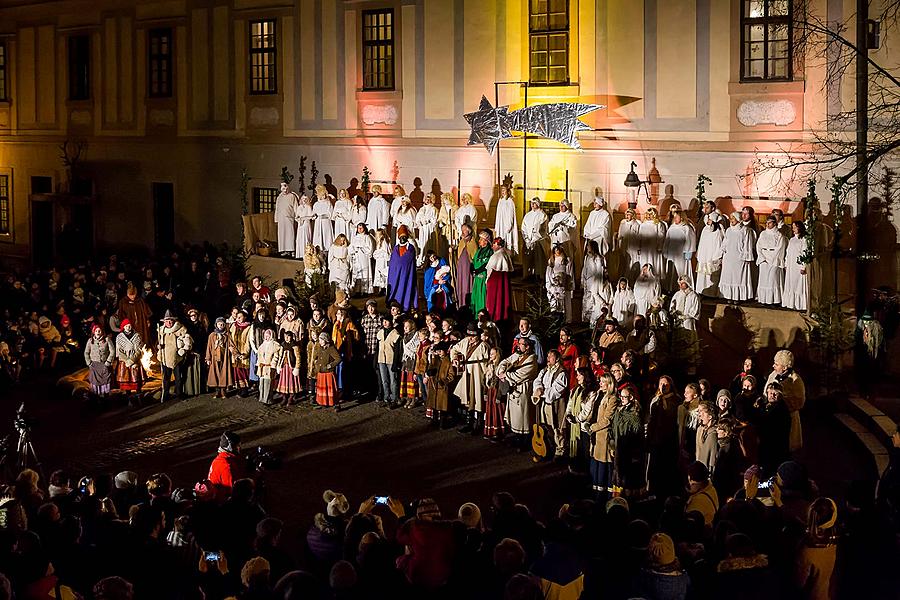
[(124, 323), (403, 230), (64, 321), (95, 327)]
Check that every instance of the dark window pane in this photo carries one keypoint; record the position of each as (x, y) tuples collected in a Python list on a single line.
[(378, 49), (766, 39)]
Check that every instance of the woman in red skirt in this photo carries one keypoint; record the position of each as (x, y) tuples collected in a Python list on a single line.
[(494, 427), (499, 269), (289, 382), (325, 360)]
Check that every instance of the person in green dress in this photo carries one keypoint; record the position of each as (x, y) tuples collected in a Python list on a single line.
[(479, 270)]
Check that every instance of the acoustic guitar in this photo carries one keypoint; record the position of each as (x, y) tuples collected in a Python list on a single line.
[(542, 442)]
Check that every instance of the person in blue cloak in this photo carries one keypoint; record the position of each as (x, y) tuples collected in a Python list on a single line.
[(402, 272), (438, 293)]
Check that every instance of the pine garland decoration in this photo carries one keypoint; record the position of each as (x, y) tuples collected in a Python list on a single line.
[(245, 209), (810, 203), (286, 176), (702, 180), (302, 169), (313, 175), (364, 182)]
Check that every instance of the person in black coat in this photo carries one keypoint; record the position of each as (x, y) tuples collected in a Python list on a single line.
[(730, 463), (774, 427)]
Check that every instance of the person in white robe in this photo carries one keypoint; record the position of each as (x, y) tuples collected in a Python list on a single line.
[(362, 247), (623, 303), (646, 290), (505, 225), (304, 216), (519, 371), (358, 213), (709, 251), (382, 256), (341, 215), (598, 226), (678, 249), (378, 212), (628, 239), (563, 228), (560, 282), (651, 237), (323, 233), (550, 396), (770, 251), (426, 223), (339, 263), (796, 274), (593, 278), (447, 223), (534, 235), (466, 213), (405, 215), (738, 256), (396, 201), (685, 311), (285, 214), (470, 357), (781, 225)]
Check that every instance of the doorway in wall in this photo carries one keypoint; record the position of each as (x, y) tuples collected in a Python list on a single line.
[(163, 216)]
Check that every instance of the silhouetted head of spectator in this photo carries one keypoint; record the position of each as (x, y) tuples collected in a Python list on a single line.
[(113, 588)]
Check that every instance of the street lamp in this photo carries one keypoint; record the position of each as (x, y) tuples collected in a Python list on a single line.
[(633, 185)]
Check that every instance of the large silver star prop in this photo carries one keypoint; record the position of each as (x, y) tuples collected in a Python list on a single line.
[(557, 121)]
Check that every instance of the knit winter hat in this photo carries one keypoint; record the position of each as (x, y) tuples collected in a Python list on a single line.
[(337, 503), (470, 515), (660, 550), (428, 510), (126, 479), (792, 474)]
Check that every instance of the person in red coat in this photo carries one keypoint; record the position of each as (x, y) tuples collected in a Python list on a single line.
[(568, 353), (227, 466)]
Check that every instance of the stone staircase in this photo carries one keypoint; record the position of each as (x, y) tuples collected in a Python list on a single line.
[(872, 427)]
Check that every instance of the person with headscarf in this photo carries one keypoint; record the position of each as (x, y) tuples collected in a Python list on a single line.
[(646, 289), (534, 234), (99, 355), (304, 217), (266, 364), (499, 270), (709, 250), (437, 283), (219, 359), (563, 228), (239, 333), (402, 281), (623, 304), (129, 346), (325, 360), (290, 383), (738, 256), (426, 223), (479, 271), (598, 227), (771, 246), (317, 324), (505, 226)]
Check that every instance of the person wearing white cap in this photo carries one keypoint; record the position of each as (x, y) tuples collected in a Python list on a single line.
[(534, 233), (709, 250), (598, 226), (770, 249), (285, 212), (738, 256), (685, 310), (505, 221), (562, 227)]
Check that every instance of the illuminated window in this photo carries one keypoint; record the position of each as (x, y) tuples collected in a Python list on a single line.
[(79, 67), (3, 89), (4, 205), (378, 49), (548, 41), (160, 68), (264, 199), (263, 76), (766, 39)]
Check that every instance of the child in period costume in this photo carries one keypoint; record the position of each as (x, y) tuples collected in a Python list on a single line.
[(266, 363), (421, 365), (325, 361), (438, 379), (339, 263), (129, 345), (289, 382), (240, 345), (98, 356), (344, 334), (494, 427), (317, 324), (219, 359), (409, 389), (382, 256)]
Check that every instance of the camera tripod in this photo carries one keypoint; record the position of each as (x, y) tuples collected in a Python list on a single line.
[(25, 454)]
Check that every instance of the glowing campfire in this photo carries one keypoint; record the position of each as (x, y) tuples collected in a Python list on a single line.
[(147, 360)]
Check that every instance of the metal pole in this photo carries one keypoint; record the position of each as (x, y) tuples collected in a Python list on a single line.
[(496, 104), (525, 162), (862, 131), (458, 187)]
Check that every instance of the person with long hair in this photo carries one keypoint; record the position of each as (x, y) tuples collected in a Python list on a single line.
[(662, 439), (796, 277), (678, 249), (426, 223), (362, 247), (339, 271), (601, 450), (627, 440), (623, 304), (771, 247), (738, 259), (709, 250), (579, 412), (560, 282)]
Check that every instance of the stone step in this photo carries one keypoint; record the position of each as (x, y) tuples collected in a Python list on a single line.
[(872, 443), (878, 423)]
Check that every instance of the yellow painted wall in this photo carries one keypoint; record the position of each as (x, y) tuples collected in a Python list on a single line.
[(676, 65), (439, 40), (625, 21)]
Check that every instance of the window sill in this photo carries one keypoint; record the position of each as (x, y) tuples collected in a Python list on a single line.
[(767, 87), (379, 94), (553, 91)]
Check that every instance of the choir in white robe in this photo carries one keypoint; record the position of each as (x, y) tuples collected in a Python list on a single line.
[(304, 217), (340, 215), (465, 214), (678, 248), (770, 250), (559, 280), (339, 266), (598, 228), (323, 234), (382, 256), (534, 235), (426, 223), (709, 255), (406, 217), (685, 310), (358, 214), (628, 247), (378, 213), (623, 303), (285, 213), (396, 203), (651, 236), (796, 277), (737, 259), (597, 290), (646, 290), (505, 224), (562, 230), (361, 249)]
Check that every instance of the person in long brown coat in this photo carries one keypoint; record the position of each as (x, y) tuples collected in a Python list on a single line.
[(135, 309), (438, 379), (219, 354)]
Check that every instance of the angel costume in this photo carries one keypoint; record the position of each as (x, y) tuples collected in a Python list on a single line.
[(770, 251), (599, 226), (323, 234), (358, 214), (796, 276), (378, 213), (597, 290), (406, 215), (646, 290), (285, 213), (736, 283), (623, 303), (426, 222), (678, 248), (559, 280), (505, 225), (651, 236), (339, 267), (534, 234), (382, 256), (447, 221), (562, 228), (304, 217), (341, 217), (465, 214), (685, 309), (628, 245), (709, 254), (361, 249)]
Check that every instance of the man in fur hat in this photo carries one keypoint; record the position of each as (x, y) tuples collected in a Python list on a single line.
[(174, 343)]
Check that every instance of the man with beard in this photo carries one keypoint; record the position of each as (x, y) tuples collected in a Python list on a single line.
[(134, 308), (192, 368), (174, 343), (402, 272)]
